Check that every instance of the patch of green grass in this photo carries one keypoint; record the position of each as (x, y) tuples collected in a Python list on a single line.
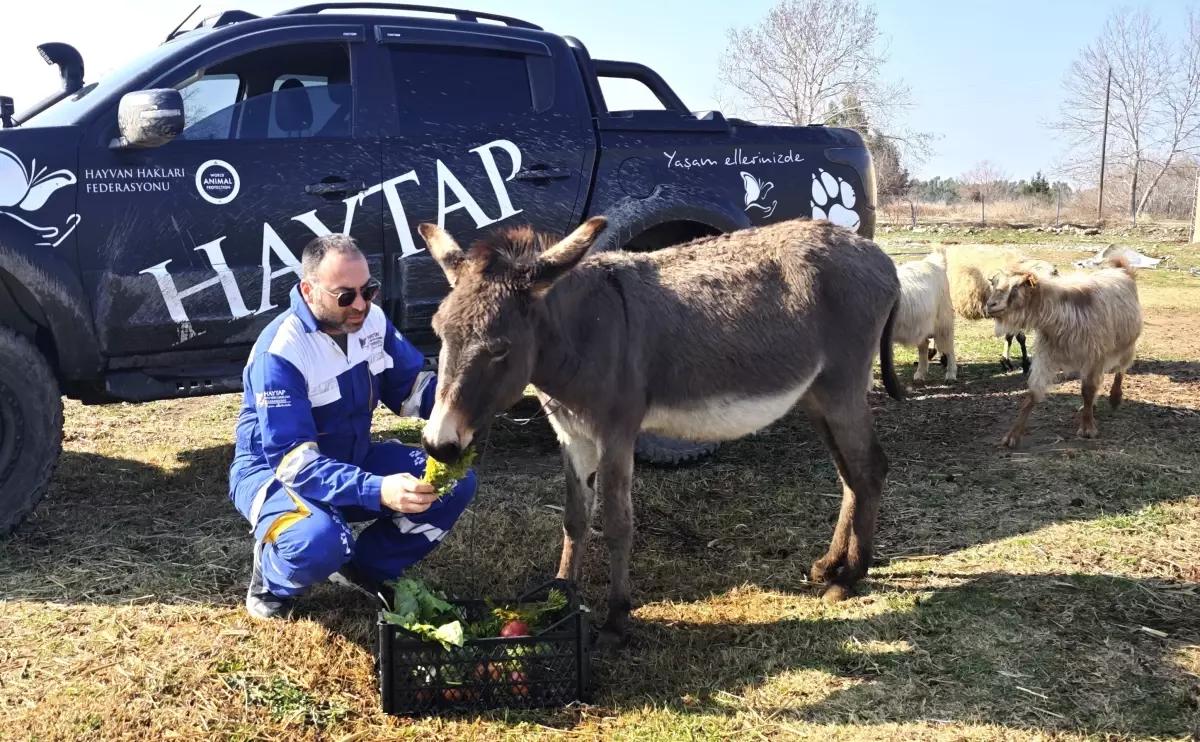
[(1148, 522), (286, 701), (89, 723)]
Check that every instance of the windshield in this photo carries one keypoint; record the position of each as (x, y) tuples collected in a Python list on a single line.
[(71, 109)]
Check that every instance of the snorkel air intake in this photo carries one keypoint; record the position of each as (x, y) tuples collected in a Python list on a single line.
[(70, 67)]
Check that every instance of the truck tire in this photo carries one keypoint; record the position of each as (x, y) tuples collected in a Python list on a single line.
[(669, 452), (31, 428)]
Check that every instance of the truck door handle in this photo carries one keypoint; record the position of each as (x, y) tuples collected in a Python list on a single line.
[(543, 172), (339, 188)]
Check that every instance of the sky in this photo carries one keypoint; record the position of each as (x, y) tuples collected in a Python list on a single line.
[(985, 75)]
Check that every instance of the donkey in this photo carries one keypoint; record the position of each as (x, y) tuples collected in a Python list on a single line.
[(711, 340)]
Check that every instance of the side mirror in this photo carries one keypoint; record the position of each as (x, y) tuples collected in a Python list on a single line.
[(149, 118), (6, 112)]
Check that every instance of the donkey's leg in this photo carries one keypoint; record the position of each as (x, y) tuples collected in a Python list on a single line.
[(862, 467), (614, 481), (828, 565), (580, 459)]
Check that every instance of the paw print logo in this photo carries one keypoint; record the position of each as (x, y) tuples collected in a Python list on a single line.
[(833, 199)]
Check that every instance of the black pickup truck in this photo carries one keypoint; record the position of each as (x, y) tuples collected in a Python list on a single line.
[(151, 220)]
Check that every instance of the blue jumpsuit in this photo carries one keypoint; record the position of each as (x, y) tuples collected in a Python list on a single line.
[(304, 465)]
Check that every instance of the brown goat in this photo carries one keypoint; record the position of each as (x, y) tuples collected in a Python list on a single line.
[(711, 340), (1086, 323)]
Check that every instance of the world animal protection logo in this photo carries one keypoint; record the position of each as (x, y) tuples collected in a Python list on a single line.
[(218, 182), (26, 190)]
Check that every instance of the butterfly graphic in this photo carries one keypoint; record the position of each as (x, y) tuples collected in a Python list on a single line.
[(755, 190), (28, 190)]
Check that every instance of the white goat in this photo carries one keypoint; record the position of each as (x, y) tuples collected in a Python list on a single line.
[(926, 312), (969, 271), (1085, 322)]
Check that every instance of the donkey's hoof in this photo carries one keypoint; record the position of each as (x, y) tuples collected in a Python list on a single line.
[(837, 593), (611, 639), (823, 571)]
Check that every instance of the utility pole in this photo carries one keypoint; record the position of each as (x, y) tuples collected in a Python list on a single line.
[(1196, 213), (1103, 150)]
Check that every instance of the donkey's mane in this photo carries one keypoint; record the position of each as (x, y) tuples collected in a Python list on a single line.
[(510, 249)]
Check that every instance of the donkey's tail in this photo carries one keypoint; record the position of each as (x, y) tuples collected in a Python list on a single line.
[(887, 369)]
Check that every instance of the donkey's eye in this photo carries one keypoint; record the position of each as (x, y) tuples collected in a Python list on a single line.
[(497, 349)]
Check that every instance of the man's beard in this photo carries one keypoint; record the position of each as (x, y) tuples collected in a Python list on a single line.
[(339, 324)]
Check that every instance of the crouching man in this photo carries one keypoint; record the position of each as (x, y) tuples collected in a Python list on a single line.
[(305, 466)]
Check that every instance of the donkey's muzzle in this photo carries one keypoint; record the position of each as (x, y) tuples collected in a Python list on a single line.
[(447, 452), (444, 436)]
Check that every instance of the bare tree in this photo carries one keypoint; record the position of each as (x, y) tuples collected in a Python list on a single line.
[(984, 181), (801, 63), (1155, 102), (1181, 107)]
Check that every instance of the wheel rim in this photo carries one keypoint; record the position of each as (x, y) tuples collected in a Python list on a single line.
[(11, 431)]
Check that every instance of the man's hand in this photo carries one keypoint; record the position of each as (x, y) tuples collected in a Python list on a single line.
[(404, 493)]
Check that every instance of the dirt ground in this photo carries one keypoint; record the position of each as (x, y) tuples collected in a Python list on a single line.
[(1052, 592)]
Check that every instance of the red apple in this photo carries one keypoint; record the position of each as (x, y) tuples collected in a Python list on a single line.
[(518, 683), (515, 628)]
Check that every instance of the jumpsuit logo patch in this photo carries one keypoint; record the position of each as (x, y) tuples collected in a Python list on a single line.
[(374, 341), (274, 398)]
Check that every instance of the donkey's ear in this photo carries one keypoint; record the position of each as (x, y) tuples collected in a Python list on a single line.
[(558, 260), (443, 248)]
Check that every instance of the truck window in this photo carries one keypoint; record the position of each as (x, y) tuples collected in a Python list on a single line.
[(436, 83), (286, 92), (208, 95), (621, 94)]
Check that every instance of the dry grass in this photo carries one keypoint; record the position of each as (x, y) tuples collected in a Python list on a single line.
[(1012, 211), (1016, 210), (1051, 593)]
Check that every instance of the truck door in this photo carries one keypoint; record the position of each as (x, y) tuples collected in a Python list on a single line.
[(488, 130), (195, 244)]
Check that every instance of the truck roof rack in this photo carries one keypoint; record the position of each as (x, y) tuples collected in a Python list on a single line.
[(470, 16), (225, 18)]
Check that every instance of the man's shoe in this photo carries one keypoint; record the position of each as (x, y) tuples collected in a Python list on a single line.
[(261, 603), (351, 576), (267, 606)]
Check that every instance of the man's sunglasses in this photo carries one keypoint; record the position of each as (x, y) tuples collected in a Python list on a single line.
[(346, 298)]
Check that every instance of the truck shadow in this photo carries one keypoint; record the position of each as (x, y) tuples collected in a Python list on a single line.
[(111, 530), (1049, 653), (1178, 371)]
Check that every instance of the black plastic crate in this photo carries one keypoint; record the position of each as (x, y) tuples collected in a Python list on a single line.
[(549, 668)]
